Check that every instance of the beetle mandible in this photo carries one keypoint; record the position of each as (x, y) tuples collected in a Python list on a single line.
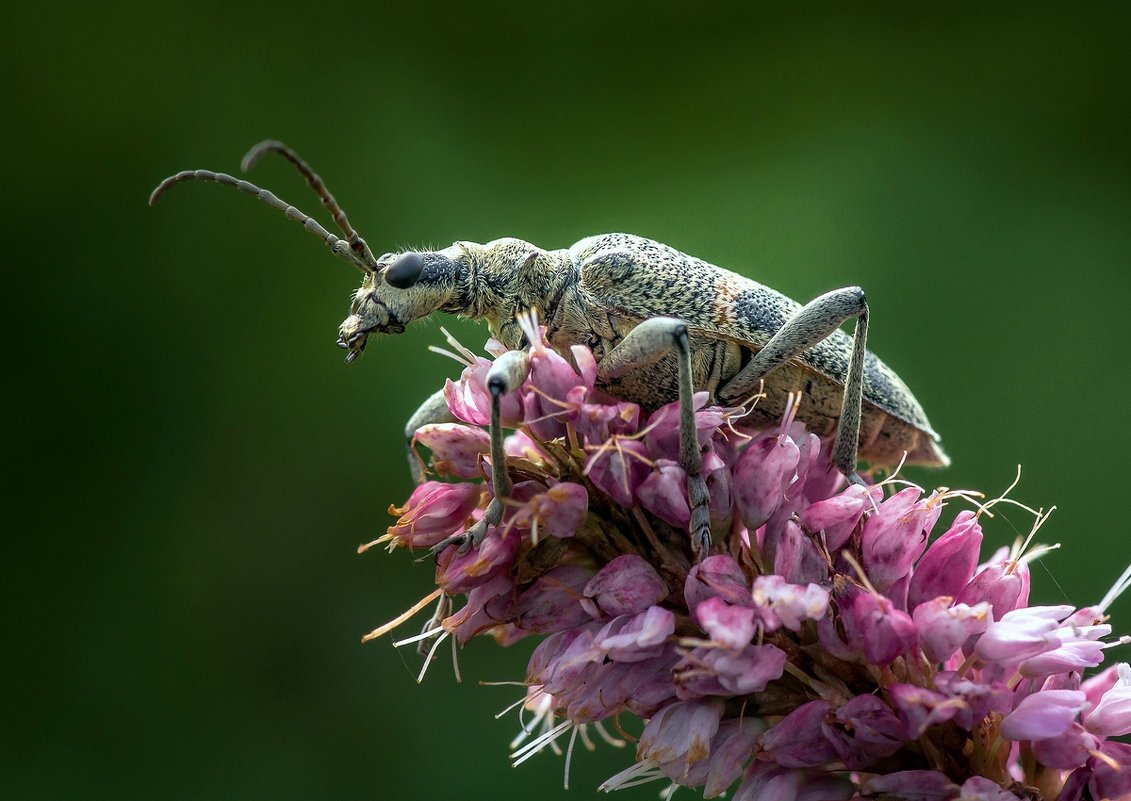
[(660, 323)]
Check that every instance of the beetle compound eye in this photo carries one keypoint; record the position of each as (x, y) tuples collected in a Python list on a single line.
[(405, 271)]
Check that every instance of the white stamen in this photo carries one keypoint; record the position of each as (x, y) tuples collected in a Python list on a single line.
[(528, 322), (383, 538), (585, 739), (892, 478), (442, 352), (1118, 588), (1109, 760), (465, 355), (639, 773), (455, 663), (538, 743), (742, 410), (569, 756), (509, 707), (792, 404), (1020, 551), (428, 659), (424, 635), (985, 508), (616, 742)]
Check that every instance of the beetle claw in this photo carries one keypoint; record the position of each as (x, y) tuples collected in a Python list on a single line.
[(463, 540)]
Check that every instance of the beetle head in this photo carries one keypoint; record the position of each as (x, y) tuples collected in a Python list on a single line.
[(401, 288)]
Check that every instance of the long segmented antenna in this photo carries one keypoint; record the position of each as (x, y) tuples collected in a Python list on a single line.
[(356, 243), (339, 247)]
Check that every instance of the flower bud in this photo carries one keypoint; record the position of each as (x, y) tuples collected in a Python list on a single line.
[(798, 739), (874, 628), (720, 671), (664, 494), (634, 638), (944, 628), (767, 781), (836, 517), (895, 535), (791, 604), (618, 468), (663, 434), (596, 422), (794, 556), (727, 625), (682, 731), (764, 471), (1043, 714), (459, 572), (948, 565), (1111, 717), (912, 785), (1004, 585), (488, 605), (730, 750), (862, 731), (469, 400), (720, 576), (559, 511), (624, 586), (434, 511), (1110, 776), (552, 602), (456, 449), (546, 392)]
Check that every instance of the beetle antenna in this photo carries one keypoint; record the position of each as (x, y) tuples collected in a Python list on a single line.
[(356, 243), (339, 247)]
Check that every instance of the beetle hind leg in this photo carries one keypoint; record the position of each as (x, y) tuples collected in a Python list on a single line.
[(645, 344), (815, 321)]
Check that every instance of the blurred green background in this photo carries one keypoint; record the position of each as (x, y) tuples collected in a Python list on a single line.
[(188, 465)]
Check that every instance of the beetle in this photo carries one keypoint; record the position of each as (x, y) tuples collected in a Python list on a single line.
[(661, 325)]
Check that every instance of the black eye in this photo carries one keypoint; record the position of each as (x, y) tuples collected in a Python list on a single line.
[(405, 271)]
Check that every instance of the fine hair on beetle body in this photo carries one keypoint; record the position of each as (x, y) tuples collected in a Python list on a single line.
[(661, 324)]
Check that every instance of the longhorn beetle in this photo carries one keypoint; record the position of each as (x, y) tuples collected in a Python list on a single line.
[(660, 323)]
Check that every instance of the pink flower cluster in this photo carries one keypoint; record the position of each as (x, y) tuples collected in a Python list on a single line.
[(829, 648)]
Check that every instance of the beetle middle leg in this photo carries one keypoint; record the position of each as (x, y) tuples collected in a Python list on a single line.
[(506, 375), (645, 344), (811, 324)]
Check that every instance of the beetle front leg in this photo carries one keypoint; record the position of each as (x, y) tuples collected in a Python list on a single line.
[(813, 323), (433, 410), (647, 343), (506, 375)]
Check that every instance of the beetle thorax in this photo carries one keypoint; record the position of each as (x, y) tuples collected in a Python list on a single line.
[(509, 276)]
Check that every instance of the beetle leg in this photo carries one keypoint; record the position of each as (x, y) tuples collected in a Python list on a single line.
[(506, 375), (433, 410), (647, 343), (815, 321)]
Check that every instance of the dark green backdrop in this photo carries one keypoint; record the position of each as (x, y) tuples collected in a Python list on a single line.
[(188, 465)]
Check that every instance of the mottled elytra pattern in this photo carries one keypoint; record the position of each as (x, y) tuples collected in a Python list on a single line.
[(629, 278)]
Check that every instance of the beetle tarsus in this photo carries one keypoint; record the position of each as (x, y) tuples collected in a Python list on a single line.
[(700, 516), (466, 540)]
